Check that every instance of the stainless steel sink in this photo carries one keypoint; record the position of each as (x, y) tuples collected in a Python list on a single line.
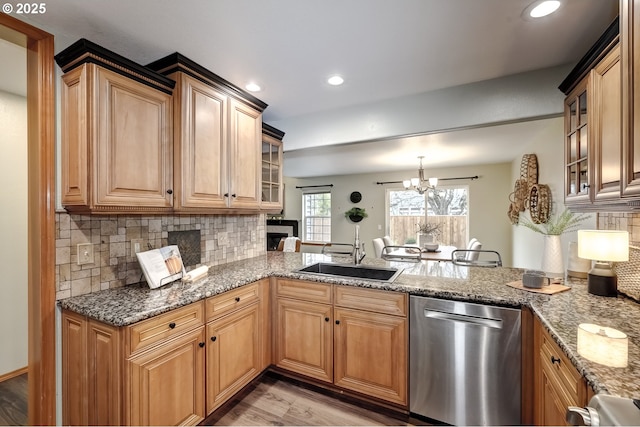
[(380, 274)]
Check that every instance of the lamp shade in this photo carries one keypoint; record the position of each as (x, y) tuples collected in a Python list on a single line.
[(603, 245), (603, 345)]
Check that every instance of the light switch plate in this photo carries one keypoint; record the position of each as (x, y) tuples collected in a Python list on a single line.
[(85, 253)]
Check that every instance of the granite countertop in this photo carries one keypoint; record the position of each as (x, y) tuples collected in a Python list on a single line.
[(560, 313)]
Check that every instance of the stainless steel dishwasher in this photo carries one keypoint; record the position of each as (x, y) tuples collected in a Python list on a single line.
[(465, 362)]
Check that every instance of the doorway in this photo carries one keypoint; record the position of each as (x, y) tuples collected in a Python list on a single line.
[(40, 217)]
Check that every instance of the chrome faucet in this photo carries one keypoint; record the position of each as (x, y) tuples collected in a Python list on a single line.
[(358, 248)]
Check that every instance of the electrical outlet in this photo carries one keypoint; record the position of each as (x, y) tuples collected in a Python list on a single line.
[(85, 253), (137, 245)]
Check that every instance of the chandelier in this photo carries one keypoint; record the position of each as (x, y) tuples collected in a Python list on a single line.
[(420, 184)]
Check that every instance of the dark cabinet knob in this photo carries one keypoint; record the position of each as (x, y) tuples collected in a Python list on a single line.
[(201, 344), (169, 191), (555, 360), (213, 339), (172, 325), (337, 322), (326, 319), (226, 194), (234, 195), (237, 299)]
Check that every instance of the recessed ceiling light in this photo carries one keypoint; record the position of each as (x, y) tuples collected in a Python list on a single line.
[(253, 87), (539, 9), (335, 80)]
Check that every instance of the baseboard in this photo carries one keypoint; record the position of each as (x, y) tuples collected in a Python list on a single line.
[(14, 374)]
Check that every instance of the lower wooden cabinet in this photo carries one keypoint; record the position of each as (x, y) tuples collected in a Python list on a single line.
[(233, 354), (370, 354), (160, 371), (304, 338), (350, 340), (166, 383), (557, 383)]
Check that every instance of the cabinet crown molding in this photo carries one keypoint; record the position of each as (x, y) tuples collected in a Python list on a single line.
[(600, 48), (84, 51), (272, 132), (177, 62)]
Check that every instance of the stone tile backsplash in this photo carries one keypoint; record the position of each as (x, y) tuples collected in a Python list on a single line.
[(223, 239), (622, 221)]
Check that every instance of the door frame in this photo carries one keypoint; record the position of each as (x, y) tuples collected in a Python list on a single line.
[(41, 215)]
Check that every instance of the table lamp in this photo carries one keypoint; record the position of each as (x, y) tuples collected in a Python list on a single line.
[(604, 247)]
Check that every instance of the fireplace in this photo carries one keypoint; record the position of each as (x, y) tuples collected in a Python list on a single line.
[(279, 228)]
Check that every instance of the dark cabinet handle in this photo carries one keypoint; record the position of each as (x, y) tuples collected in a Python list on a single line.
[(169, 191), (234, 195), (237, 299), (555, 360), (226, 194), (172, 325), (337, 322), (326, 319), (201, 344), (213, 339)]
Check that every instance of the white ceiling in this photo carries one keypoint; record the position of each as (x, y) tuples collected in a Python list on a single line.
[(384, 48)]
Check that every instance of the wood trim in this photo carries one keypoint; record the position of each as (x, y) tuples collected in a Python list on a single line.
[(41, 221), (14, 374), (528, 355), (272, 132)]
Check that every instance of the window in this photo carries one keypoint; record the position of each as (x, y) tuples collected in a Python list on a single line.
[(447, 206), (316, 217)]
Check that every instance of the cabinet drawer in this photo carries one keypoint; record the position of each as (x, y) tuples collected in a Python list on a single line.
[(158, 328), (229, 301), (560, 367), (386, 302), (308, 291)]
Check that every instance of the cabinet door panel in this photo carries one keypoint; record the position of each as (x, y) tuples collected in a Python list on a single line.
[(554, 408), (233, 354), (167, 383), (200, 150), (367, 340), (245, 161), (607, 126), (105, 373), (134, 163), (304, 339)]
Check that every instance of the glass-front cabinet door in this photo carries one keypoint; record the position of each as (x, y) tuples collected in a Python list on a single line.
[(272, 187), (577, 146)]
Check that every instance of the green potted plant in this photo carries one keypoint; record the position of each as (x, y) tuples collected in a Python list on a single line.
[(356, 214)]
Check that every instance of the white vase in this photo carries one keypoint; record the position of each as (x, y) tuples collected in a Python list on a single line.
[(423, 238), (552, 261)]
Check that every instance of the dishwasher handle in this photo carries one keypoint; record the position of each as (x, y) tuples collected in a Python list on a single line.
[(455, 317)]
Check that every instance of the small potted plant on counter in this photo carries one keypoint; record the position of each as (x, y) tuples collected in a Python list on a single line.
[(356, 214)]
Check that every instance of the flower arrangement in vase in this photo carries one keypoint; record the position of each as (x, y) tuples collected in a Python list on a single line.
[(552, 259), (427, 233)]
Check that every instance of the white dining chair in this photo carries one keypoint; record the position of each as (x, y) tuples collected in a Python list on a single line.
[(472, 255), (387, 241), (378, 244)]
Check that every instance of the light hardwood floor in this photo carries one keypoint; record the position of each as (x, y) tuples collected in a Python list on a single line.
[(275, 401)]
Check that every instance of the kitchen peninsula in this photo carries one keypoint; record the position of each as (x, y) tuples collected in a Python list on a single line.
[(560, 314)]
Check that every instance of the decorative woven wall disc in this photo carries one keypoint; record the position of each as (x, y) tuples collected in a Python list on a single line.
[(529, 169), (520, 194), (539, 203)]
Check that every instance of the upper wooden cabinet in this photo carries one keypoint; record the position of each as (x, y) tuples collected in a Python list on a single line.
[(217, 140), (593, 126), (116, 133), (272, 186), (630, 59)]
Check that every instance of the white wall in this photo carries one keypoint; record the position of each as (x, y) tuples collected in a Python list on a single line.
[(487, 203), (548, 146), (13, 229)]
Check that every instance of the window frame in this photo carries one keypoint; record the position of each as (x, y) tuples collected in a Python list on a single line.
[(305, 217)]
